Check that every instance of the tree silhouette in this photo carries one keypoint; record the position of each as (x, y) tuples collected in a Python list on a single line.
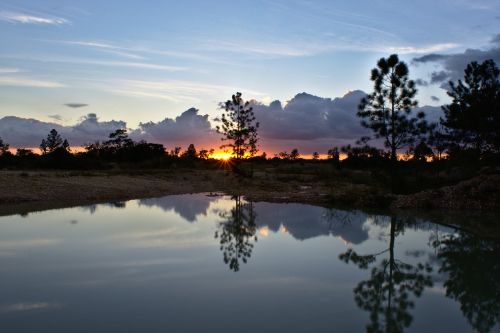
[(205, 154), (294, 154), (421, 152), (53, 142), (190, 152), (283, 155), (438, 140), (472, 267), (238, 127), (315, 156), (387, 111), (23, 152), (4, 147), (334, 154), (175, 152), (238, 230), (472, 120), (386, 295), (119, 139)]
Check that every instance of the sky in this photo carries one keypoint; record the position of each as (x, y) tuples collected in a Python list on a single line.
[(103, 63)]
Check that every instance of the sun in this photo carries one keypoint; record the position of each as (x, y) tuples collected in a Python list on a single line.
[(222, 156)]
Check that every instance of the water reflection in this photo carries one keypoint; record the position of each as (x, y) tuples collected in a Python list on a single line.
[(393, 284), (237, 233), (305, 222), (190, 209), (472, 267), (115, 204), (156, 262)]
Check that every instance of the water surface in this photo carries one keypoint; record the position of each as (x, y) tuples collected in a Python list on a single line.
[(198, 263)]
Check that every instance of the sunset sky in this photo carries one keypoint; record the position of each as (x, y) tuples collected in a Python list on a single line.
[(87, 63)]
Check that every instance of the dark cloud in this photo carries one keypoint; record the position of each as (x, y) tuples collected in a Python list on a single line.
[(22, 132), (76, 105), (188, 206), (433, 113), (453, 65), (348, 225), (496, 39), (310, 122), (90, 128), (420, 82), (189, 127), (439, 77), (430, 57), (306, 122), (56, 117), (435, 98)]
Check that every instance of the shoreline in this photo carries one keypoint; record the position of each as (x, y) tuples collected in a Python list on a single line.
[(25, 191)]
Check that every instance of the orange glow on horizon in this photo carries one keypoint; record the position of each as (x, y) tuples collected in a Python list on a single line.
[(226, 156), (264, 232), (221, 155)]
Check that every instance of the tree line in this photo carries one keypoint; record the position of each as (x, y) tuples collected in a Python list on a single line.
[(467, 132)]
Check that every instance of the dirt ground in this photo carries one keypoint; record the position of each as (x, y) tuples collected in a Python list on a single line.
[(25, 191), (38, 190), (30, 191)]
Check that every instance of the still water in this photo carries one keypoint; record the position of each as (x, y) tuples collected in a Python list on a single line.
[(199, 263)]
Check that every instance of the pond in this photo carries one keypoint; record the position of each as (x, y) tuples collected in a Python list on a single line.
[(210, 263)]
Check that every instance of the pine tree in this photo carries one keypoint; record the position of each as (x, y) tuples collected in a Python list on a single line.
[(472, 120), (239, 127), (387, 111), (53, 142)]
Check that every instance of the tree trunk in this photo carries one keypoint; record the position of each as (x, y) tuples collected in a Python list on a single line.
[(392, 262)]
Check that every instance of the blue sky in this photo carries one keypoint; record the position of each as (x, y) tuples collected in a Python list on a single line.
[(147, 60)]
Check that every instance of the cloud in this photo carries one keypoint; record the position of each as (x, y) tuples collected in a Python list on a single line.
[(421, 82), (272, 49), (17, 17), (108, 63), (453, 65), (22, 132), (8, 70), (421, 49), (189, 207), (496, 39), (90, 129), (309, 122), (306, 122), (134, 52), (430, 57), (440, 76), (56, 117), (347, 225), (172, 90), (189, 127), (76, 105), (309, 48), (30, 306), (129, 64), (28, 82), (435, 98), (105, 48)]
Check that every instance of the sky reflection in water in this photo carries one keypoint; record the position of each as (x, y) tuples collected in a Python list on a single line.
[(196, 263)]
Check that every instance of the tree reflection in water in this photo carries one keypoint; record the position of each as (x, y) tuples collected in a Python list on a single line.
[(386, 295), (472, 266), (237, 232)]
